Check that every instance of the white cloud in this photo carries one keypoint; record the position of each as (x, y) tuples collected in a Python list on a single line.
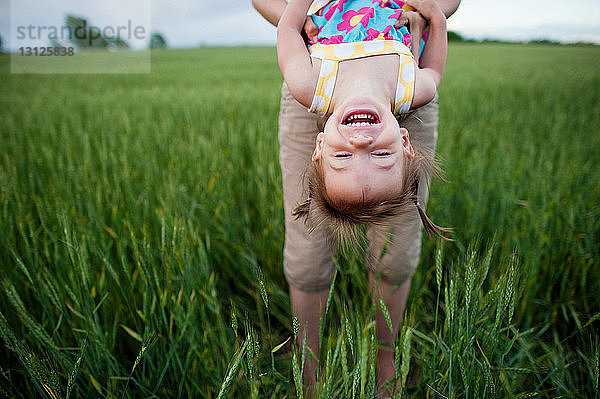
[(225, 25), (242, 27), (533, 19)]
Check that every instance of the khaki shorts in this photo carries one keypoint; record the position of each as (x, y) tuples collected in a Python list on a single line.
[(308, 257)]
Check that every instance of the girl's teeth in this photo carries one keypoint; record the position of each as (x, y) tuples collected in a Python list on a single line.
[(359, 120)]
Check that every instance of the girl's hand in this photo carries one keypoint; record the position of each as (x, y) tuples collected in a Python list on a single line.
[(429, 9), (311, 30), (416, 26)]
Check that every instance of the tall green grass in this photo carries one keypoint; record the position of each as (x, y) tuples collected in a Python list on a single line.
[(141, 232)]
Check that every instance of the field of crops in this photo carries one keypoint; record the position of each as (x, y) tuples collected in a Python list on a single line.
[(141, 235)]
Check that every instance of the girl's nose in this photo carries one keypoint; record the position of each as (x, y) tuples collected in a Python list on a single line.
[(359, 140)]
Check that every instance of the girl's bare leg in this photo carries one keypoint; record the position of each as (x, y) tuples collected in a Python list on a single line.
[(307, 306), (394, 298)]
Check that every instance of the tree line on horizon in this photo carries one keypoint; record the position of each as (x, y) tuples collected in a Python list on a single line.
[(457, 37)]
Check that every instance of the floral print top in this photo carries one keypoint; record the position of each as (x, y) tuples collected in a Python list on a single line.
[(350, 21)]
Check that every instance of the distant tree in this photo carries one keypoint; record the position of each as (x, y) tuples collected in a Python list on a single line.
[(1, 45), (454, 37), (157, 41), (85, 36), (117, 43), (585, 44), (495, 41), (82, 35), (543, 41)]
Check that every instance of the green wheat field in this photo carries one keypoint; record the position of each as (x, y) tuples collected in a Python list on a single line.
[(141, 236)]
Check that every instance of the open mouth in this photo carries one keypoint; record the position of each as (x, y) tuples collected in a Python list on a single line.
[(360, 118)]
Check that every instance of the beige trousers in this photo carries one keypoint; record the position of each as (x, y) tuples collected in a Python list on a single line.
[(308, 257)]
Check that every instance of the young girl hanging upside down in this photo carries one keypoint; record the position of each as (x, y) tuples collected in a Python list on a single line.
[(395, 246), (360, 72)]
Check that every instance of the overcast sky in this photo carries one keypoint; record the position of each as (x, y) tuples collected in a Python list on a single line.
[(190, 23)]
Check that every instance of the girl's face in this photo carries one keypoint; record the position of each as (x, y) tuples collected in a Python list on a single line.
[(362, 152)]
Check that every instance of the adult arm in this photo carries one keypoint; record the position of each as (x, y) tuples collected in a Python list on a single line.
[(271, 10), (417, 24), (293, 56), (448, 7)]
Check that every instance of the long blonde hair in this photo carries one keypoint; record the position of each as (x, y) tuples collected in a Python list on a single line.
[(345, 218)]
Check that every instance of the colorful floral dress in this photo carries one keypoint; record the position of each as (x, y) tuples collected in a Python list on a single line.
[(351, 29), (349, 21)]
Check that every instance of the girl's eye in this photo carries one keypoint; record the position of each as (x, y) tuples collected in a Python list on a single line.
[(381, 153), (342, 155)]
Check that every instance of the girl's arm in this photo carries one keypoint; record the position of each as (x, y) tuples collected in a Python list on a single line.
[(448, 7), (433, 59), (293, 56)]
